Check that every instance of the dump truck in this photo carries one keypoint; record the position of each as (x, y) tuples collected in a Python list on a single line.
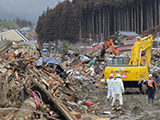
[(132, 71)]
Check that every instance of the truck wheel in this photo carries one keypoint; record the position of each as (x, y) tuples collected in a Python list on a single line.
[(143, 88)]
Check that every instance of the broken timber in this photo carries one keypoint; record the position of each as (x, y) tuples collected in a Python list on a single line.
[(57, 106)]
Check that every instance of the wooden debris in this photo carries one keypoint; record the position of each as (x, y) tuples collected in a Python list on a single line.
[(76, 114)]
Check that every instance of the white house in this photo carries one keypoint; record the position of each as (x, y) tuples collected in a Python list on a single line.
[(12, 35)]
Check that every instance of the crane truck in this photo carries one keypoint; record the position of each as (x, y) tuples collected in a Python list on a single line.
[(132, 71)]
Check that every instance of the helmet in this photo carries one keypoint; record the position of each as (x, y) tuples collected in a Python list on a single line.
[(150, 75), (111, 75), (118, 75)]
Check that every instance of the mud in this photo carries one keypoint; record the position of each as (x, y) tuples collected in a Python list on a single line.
[(135, 106)]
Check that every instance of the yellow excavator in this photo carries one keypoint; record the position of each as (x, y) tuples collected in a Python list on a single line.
[(132, 71)]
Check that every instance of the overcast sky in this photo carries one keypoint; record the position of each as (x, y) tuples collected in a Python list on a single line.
[(28, 9)]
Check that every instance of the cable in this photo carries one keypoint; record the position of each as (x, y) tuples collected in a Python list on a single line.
[(39, 97)]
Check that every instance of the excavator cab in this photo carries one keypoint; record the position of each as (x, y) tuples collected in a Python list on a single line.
[(118, 61)]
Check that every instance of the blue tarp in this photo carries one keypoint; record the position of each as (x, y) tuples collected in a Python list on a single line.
[(50, 60), (45, 50)]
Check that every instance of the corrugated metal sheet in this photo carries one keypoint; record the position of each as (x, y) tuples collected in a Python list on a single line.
[(93, 48), (4, 45), (127, 33), (125, 47), (31, 42)]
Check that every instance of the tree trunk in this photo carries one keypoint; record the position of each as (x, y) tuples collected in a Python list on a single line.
[(125, 22), (137, 19), (93, 23), (159, 12), (88, 23), (155, 10), (151, 6), (103, 22), (128, 25), (80, 32), (141, 17), (119, 19), (122, 20), (100, 23), (132, 19), (108, 22), (114, 20), (147, 16), (82, 25), (97, 23)]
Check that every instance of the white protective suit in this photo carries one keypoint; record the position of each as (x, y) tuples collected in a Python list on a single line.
[(110, 82), (92, 69), (118, 88)]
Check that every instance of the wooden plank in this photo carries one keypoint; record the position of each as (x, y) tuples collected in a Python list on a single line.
[(11, 56)]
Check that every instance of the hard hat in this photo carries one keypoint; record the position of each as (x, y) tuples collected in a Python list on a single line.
[(150, 75), (118, 75), (111, 75)]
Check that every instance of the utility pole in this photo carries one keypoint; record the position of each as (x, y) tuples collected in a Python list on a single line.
[(101, 37), (90, 39), (97, 38)]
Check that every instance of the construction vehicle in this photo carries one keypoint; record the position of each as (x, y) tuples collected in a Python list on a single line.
[(109, 45), (131, 69)]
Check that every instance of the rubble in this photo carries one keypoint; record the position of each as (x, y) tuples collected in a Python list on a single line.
[(36, 86), (30, 82)]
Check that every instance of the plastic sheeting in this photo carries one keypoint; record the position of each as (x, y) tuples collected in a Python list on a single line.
[(50, 60)]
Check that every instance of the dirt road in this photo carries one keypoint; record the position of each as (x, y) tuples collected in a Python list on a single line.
[(135, 106)]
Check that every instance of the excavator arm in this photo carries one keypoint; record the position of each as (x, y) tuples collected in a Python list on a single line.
[(109, 45), (141, 45)]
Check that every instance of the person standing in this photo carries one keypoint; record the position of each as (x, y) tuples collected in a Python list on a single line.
[(92, 69), (151, 88), (118, 89), (110, 83)]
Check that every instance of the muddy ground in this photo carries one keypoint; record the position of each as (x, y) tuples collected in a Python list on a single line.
[(135, 106)]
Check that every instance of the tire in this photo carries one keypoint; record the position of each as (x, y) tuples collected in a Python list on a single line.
[(143, 88)]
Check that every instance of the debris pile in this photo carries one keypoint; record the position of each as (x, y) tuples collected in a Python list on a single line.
[(155, 63), (35, 86)]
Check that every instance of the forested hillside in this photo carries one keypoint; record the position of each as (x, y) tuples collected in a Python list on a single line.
[(15, 23), (74, 20)]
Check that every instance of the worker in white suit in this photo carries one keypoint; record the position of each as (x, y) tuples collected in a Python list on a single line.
[(92, 69), (110, 83), (118, 89)]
